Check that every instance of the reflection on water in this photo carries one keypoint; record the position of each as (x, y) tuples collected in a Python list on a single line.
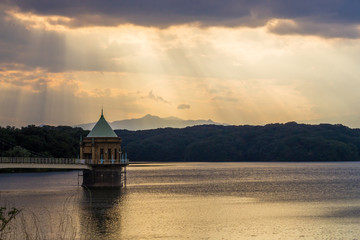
[(97, 218), (196, 201)]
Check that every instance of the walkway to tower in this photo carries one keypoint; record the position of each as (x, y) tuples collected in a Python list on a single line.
[(56, 163), (101, 159)]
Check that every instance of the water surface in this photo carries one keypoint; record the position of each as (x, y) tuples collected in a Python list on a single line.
[(192, 201)]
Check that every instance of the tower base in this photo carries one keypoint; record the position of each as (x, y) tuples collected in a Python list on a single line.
[(104, 175)]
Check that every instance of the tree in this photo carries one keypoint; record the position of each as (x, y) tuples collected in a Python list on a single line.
[(6, 216), (17, 152)]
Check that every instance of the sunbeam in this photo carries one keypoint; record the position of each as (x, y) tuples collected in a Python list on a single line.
[(62, 71)]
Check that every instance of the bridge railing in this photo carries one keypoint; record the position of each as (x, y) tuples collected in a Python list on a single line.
[(122, 161), (39, 160), (30, 160)]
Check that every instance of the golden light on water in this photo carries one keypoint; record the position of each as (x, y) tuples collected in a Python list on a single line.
[(192, 200)]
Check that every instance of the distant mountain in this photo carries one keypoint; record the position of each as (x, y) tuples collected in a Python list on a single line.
[(151, 122)]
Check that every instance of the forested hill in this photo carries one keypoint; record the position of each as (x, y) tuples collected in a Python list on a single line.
[(273, 142), (45, 141)]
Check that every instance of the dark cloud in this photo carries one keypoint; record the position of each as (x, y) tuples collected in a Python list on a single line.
[(169, 12), (286, 27), (18, 45), (143, 12), (23, 47), (324, 11), (164, 13), (183, 106)]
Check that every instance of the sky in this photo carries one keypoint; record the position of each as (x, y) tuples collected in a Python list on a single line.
[(233, 61)]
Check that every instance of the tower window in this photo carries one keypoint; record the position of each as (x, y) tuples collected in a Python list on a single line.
[(101, 153)]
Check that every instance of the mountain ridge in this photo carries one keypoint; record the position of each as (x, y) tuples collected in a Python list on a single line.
[(149, 121)]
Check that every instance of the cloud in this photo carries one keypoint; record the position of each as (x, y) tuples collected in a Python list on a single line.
[(264, 72), (54, 98), (33, 81), (156, 98), (141, 12), (299, 27), (29, 48), (183, 106), (29, 42), (230, 13)]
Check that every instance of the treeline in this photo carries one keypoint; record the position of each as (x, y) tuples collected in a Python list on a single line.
[(207, 143), (273, 142), (45, 141)]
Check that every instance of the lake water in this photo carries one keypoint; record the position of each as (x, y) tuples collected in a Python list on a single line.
[(191, 201)]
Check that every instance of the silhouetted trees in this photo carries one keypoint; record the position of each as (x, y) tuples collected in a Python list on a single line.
[(45, 141), (272, 142)]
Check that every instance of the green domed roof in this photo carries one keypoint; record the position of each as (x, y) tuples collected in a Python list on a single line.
[(102, 129)]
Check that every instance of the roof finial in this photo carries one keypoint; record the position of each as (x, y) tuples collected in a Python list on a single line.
[(102, 111)]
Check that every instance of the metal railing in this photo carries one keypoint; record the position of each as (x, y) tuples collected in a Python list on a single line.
[(29, 160), (122, 161)]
